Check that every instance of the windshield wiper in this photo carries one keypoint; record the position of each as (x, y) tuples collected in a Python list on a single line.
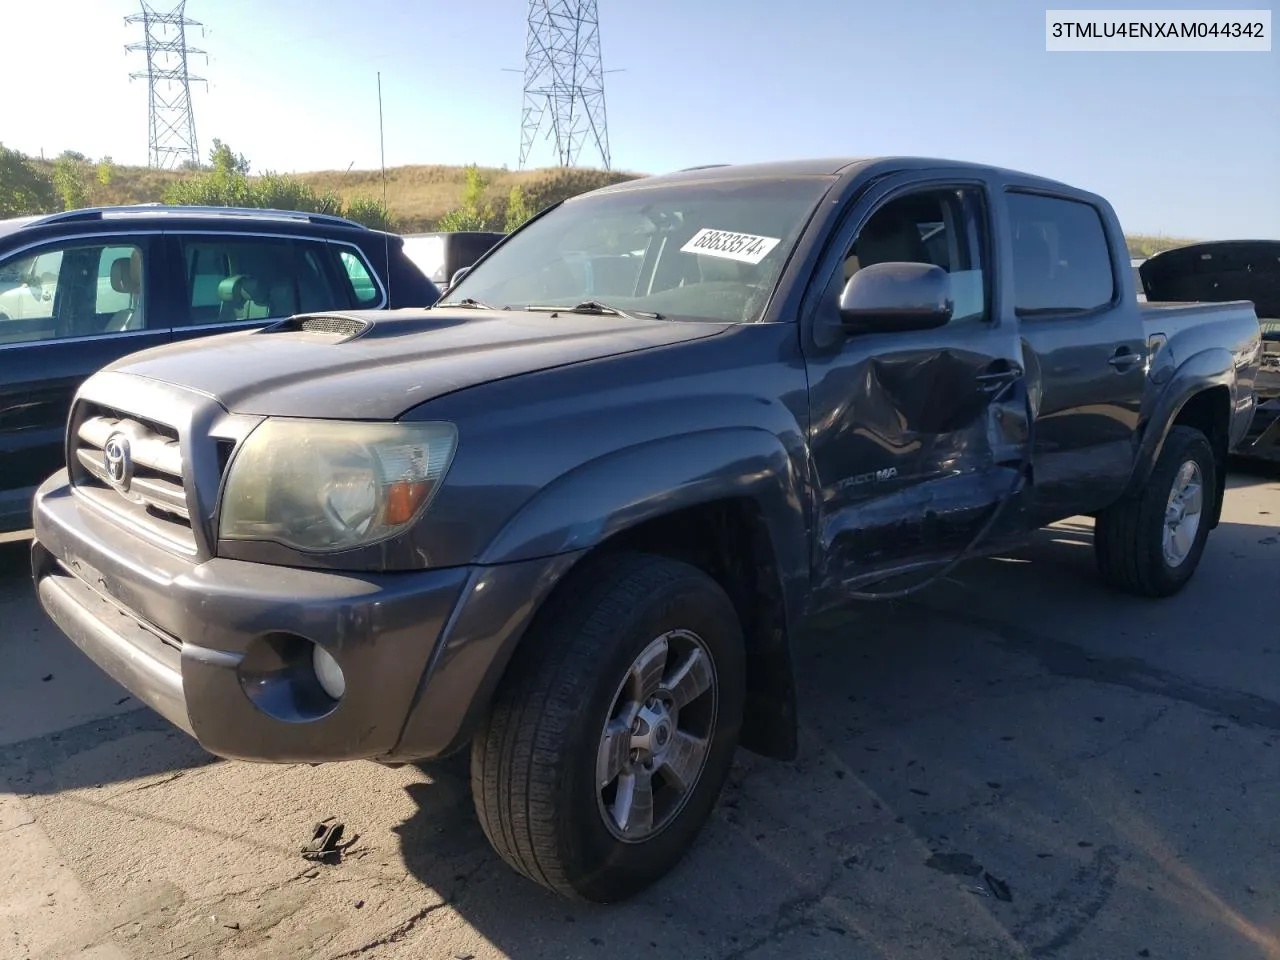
[(597, 308), (470, 303)]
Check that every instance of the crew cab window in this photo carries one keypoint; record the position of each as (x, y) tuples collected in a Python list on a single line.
[(946, 228), (238, 279), (77, 290), (362, 285), (1061, 259)]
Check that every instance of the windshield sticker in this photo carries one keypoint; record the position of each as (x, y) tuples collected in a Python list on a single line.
[(744, 247)]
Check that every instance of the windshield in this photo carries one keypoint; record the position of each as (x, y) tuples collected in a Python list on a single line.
[(698, 251)]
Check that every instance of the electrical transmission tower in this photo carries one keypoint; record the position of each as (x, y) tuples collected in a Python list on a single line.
[(564, 79), (172, 126)]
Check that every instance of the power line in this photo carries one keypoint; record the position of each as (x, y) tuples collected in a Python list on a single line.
[(171, 125), (564, 80)]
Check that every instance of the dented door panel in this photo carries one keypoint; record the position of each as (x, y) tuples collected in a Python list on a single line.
[(911, 449), (916, 435)]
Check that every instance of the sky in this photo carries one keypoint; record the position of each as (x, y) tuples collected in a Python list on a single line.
[(1184, 144)]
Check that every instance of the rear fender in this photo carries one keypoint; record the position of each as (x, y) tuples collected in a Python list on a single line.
[(1177, 386)]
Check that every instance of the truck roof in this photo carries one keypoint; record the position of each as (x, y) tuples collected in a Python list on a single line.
[(826, 167)]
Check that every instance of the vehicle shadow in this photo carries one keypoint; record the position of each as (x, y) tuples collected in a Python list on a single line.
[(64, 724), (1016, 759)]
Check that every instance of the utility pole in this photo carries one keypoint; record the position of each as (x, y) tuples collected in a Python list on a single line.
[(564, 80), (171, 127)]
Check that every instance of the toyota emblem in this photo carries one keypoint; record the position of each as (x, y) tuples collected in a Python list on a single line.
[(117, 461)]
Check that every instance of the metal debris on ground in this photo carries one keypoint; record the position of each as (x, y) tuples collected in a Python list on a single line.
[(998, 887), (326, 843)]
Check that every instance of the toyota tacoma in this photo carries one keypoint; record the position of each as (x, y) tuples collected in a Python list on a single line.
[(570, 517)]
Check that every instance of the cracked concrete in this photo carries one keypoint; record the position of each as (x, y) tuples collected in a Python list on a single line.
[(1018, 763)]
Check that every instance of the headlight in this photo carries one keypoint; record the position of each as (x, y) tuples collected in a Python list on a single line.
[(324, 485)]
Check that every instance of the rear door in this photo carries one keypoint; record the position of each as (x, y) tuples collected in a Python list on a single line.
[(915, 436), (242, 281), (84, 303), (1088, 347)]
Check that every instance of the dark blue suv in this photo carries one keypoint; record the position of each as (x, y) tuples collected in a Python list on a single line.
[(82, 288)]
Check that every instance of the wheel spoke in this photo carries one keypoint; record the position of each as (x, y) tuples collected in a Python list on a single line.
[(1182, 540), (1192, 499), (633, 806), (691, 679), (615, 747), (683, 761), (647, 672)]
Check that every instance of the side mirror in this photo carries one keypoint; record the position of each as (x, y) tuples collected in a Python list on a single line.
[(884, 297)]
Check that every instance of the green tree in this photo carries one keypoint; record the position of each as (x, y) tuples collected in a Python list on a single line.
[(475, 212), (370, 212), (24, 190), (69, 179), (281, 192), (106, 171), (517, 209), (224, 159), (226, 184)]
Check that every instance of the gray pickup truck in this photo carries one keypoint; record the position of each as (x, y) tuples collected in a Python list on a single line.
[(572, 516)]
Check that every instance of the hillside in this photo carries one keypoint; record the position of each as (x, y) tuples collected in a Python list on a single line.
[(418, 196)]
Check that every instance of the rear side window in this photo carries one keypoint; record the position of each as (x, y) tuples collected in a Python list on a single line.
[(1061, 261), (362, 284), (237, 279)]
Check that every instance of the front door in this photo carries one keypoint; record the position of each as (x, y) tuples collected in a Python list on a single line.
[(84, 303), (915, 436)]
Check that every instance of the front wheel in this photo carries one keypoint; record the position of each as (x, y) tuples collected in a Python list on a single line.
[(613, 731), (1150, 545)]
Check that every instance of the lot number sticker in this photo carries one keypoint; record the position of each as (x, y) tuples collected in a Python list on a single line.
[(744, 247)]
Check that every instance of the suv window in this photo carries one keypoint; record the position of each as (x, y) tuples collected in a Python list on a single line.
[(362, 283), (946, 228), (237, 279), (1061, 259), (76, 290)]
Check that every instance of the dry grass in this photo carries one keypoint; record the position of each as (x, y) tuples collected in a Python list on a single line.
[(418, 196)]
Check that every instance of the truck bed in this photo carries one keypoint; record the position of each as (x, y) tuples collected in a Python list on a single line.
[(1191, 327)]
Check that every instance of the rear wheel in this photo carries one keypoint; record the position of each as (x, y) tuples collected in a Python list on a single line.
[(1151, 544), (614, 729)]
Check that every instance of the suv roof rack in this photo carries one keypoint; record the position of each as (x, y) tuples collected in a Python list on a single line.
[(168, 210), (705, 166)]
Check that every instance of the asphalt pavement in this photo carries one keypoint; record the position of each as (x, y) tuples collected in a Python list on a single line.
[(1016, 763)]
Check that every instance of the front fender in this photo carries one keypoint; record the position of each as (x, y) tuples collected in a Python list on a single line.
[(1169, 389), (581, 509), (593, 502)]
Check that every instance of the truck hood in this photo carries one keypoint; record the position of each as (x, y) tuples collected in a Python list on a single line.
[(1219, 271), (378, 364)]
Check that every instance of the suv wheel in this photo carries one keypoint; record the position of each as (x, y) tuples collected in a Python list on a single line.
[(613, 731), (1150, 545)]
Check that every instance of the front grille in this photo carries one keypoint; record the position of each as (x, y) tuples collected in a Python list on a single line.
[(148, 486)]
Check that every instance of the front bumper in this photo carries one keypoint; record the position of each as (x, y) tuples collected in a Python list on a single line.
[(212, 645)]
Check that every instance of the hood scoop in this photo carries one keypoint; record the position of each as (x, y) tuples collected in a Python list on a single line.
[(339, 328)]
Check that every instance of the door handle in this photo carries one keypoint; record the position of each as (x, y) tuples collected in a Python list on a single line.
[(1124, 359)]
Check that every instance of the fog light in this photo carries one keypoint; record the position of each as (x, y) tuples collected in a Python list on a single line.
[(328, 672)]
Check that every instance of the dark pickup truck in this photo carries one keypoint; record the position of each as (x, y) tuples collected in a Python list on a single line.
[(572, 516)]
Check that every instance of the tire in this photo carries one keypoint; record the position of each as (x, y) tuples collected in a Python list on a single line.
[(534, 759), (1129, 537)]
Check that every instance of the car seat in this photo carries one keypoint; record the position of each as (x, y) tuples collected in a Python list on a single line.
[(126, 277)]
